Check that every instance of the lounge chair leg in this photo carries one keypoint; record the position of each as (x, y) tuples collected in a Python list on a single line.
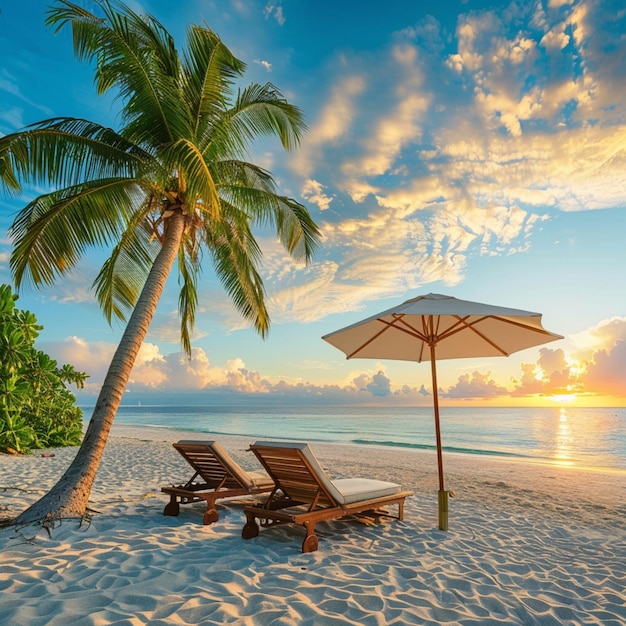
[(172, 507), (310, 542), (210, 516), (251, 529)]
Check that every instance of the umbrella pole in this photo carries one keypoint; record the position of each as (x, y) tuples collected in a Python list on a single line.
[(443, 494)]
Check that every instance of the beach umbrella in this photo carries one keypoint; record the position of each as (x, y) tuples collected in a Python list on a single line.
[(435, 327)]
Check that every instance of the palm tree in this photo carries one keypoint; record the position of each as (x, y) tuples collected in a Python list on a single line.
[(172, 184)]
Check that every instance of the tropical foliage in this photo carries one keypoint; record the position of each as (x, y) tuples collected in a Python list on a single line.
[(170, 188), (36, 408)]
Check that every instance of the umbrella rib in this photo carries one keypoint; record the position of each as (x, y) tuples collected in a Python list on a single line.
[(463, 324), (367, 343), (541, 331), (387, 325)]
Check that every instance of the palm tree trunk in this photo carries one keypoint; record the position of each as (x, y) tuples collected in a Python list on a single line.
[(70, 496)]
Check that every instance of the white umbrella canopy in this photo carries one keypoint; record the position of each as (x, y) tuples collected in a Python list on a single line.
[(458, 329), (434, 327)]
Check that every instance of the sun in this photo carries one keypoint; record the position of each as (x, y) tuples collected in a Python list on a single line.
[(564, 398)]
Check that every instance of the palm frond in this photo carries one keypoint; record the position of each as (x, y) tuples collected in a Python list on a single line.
[(85, 27), (253, 191), (189, 272), (235, 256), (124, 273), (236, 172), (296, 229), (209, 70), (137, 55), (291, 220), (262, 110), (9, 158), (65, 151), (52, 232)]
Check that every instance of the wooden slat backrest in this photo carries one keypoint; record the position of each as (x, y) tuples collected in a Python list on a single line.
[(293, 474), (209, 468)]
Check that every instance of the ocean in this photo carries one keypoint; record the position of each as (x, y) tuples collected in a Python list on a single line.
[(576, 437)]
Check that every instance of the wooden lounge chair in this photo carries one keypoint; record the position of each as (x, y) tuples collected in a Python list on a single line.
[(308, 496), (216, 476)]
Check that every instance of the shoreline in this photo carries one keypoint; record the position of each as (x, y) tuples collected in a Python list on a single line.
[(527, 544)]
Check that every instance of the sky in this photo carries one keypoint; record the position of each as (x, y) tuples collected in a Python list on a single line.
[(469, 148)]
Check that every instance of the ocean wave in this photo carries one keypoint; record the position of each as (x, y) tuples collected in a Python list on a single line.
[(421, 446)]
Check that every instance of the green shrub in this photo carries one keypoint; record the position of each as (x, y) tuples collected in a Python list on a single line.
[(36, 408)]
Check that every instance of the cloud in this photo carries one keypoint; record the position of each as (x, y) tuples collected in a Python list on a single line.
[(378, 384), (428, 157), (438, 152), (406, 101), (602, 336), (165, 326), (313, 191), (607, 372), (595, 366), (198, 373), (93, 358), (74, 288), (551, 374), (331, 125), (266, 64), (600, 357), (435, 147), (275, 11), (164, 373), (154, 370), (439, 146), (556, 38), (159, 373), (476, 385), (11, 114), (13, 118)]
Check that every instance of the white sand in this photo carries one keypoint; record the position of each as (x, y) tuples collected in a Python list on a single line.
[(528, 544)]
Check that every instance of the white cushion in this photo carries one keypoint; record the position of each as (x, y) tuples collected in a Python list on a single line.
[(359, 489)]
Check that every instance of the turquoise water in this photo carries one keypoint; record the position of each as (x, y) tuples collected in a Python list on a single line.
[(564, 436)]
